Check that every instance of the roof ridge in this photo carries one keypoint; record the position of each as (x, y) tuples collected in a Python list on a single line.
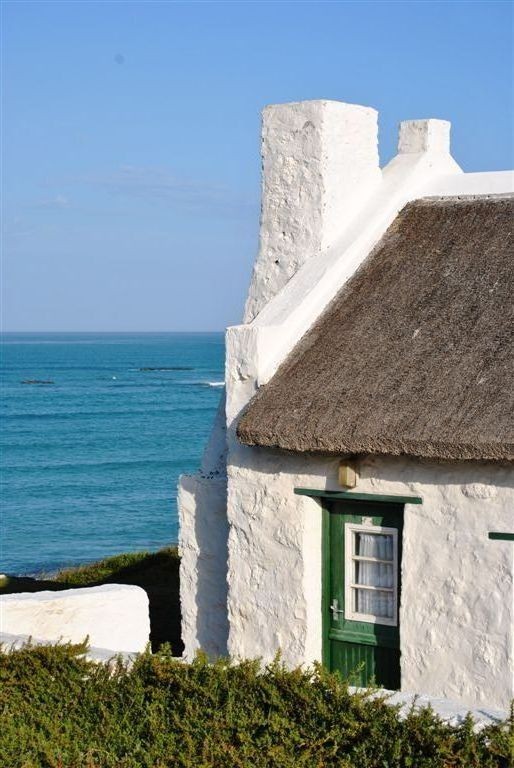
[(456, 199)]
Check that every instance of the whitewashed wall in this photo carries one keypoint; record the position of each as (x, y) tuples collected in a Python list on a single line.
[(319, 164), (457, 607), (112, 616), (203, 565)]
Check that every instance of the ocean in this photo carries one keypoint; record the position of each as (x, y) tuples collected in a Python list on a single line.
[(90, 459)]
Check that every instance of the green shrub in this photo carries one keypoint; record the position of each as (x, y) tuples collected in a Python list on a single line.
[(61, 711)]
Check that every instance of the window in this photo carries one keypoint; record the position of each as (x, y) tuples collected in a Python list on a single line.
[(371, 574)]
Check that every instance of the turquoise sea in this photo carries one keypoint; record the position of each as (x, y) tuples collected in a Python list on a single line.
[(90, 461)]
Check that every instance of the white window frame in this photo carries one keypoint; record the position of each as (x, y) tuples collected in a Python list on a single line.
[(350, 529)]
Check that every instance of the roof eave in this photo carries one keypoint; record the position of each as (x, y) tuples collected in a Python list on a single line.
[(383, 446)]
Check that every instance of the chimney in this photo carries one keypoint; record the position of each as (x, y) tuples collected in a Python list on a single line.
[(319, 164), (418, 136)]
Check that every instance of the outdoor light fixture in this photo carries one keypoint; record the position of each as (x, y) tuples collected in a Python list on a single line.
[(348, 474)]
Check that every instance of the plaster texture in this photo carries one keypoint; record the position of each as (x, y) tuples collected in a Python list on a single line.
[(457, 602), (113, 616), (203, 565), (424, 136), (319, 160), (485, 183), (314, 235)]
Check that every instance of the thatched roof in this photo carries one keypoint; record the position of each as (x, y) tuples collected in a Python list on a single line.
[(415, 354)]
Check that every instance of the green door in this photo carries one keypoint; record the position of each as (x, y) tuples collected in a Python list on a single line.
[(361, 591)]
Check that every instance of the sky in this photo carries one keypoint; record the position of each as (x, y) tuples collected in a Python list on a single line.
[(130, 137)]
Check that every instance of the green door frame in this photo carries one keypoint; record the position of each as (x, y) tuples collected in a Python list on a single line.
[(323, 496)]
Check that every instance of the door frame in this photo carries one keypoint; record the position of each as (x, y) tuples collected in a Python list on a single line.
[(325, 497)]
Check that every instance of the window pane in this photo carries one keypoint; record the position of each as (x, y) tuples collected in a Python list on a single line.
[(379, 545), (374, 603), (373, 574)]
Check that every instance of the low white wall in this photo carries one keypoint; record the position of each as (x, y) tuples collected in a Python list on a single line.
[(11, 643), (450, 711), (457, 608), (113, 616)]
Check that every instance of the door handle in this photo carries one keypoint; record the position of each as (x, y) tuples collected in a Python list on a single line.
[(335, 609)]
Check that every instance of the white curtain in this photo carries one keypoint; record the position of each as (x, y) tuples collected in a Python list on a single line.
[(369, 601)]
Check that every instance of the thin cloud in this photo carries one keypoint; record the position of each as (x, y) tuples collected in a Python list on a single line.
[(157, 182), (52, 203), (161, 183)]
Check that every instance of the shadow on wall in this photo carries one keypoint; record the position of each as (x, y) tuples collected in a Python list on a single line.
[(211, 533), (156, 572)]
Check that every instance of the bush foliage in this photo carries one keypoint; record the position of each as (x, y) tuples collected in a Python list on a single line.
[(60, 710)]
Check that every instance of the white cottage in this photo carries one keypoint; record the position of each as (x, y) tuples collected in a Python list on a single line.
[(363, 453)]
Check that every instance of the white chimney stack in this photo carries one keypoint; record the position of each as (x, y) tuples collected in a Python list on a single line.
[(319, 164), (424, 136)]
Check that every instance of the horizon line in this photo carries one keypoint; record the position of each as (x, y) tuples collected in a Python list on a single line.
[(140, 332)]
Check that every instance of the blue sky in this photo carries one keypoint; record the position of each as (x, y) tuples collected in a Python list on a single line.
[(131, 137)]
